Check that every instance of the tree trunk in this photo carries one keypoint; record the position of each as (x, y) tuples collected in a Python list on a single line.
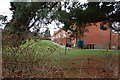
[(110, 38), (118, 41)]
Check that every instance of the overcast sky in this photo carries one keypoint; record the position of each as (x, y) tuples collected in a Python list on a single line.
[(4, 9)]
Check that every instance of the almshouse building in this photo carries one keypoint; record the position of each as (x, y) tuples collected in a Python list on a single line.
[(94, 38)]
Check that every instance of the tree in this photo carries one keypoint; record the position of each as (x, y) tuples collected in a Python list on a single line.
[(27, 15), (3, 18), (25, 12), (82, 15), (85, 14), (47, 34)]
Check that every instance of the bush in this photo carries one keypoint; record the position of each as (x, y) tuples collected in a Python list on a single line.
[(15, 39), (29, 59)]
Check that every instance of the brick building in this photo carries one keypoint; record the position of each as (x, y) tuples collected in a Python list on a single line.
[(94, 38), (100, 38), (60, 37)]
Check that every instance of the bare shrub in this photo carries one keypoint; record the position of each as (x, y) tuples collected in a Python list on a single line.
[(28, 60), (111, 64)]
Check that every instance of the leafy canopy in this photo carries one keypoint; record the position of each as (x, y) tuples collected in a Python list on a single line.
[(29, 14)]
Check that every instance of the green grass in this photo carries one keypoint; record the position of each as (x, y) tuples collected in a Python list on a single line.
[(60, 56), (74, 53), (71, 53), (45, 49)]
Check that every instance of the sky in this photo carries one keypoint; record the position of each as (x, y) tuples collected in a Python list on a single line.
[(4, 9)]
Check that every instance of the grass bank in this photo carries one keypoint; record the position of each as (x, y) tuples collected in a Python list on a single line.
[(45, 59)]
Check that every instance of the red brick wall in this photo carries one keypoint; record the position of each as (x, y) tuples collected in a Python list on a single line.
[(60, 41), (99, 37), (115, 39), (96, 35), (115, 43)]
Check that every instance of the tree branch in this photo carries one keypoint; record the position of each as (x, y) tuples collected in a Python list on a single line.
[(32, 24)]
